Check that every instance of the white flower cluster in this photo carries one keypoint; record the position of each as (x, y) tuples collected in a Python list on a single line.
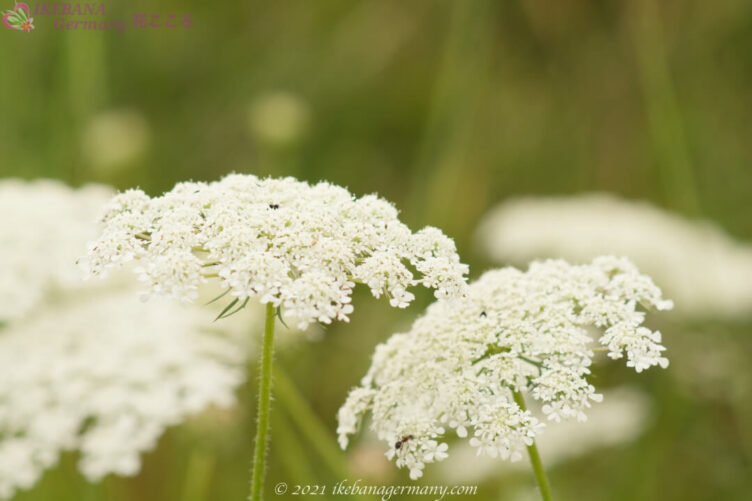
[(706, 271), (300, 247), (42, 230), (620, 419), (104, 374), (515, 331), (88, 367)]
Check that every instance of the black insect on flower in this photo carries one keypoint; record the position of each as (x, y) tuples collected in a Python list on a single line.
[(402, 441)]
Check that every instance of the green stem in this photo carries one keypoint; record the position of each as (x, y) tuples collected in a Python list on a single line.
[(665, 121), (264, 407), (309, 424), (535, 460), (198, 476)]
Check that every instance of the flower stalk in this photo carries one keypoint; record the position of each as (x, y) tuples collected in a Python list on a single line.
[(535, 459), (264, 407)]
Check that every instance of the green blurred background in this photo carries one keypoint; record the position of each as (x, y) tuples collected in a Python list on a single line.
[(445, 108)]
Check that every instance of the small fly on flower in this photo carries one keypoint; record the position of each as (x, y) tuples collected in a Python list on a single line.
[(402, 440), (274, 206)]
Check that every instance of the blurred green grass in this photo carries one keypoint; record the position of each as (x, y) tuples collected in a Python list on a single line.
[(445, 108)]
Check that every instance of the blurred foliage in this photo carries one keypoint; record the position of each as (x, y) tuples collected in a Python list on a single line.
[(445, 108)]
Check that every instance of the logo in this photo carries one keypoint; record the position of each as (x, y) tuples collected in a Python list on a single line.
[(19, 18), (87, 16)]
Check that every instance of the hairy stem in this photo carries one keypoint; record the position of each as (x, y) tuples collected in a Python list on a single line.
[(535, 460), (264, 407)]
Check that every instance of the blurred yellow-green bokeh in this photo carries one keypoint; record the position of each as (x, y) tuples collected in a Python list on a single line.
[(446, 108)]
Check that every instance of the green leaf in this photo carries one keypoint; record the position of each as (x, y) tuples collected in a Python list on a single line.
[(226, 313), (279, 316), (238, 308), (218, 297), (227, 308)]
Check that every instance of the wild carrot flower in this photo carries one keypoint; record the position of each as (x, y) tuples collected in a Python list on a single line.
[(621, 418), (297, 246), (104, 374), (44, 227), (465, 364), (87, 367), (698, 264)]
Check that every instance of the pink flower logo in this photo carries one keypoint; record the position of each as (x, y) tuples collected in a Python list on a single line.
[(19, 18)]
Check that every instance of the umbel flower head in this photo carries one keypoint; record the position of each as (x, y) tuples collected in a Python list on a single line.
[(528, 332), (86, 367), (44, 228), (702, 267), (105, 374), (300, 247)]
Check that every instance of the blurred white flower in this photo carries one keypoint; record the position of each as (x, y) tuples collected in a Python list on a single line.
[(44, 226), (114, 138), (297, 246), (88, 367), (619, 419), (104, 374), (461, 363), (278, 117), (701, 267)]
